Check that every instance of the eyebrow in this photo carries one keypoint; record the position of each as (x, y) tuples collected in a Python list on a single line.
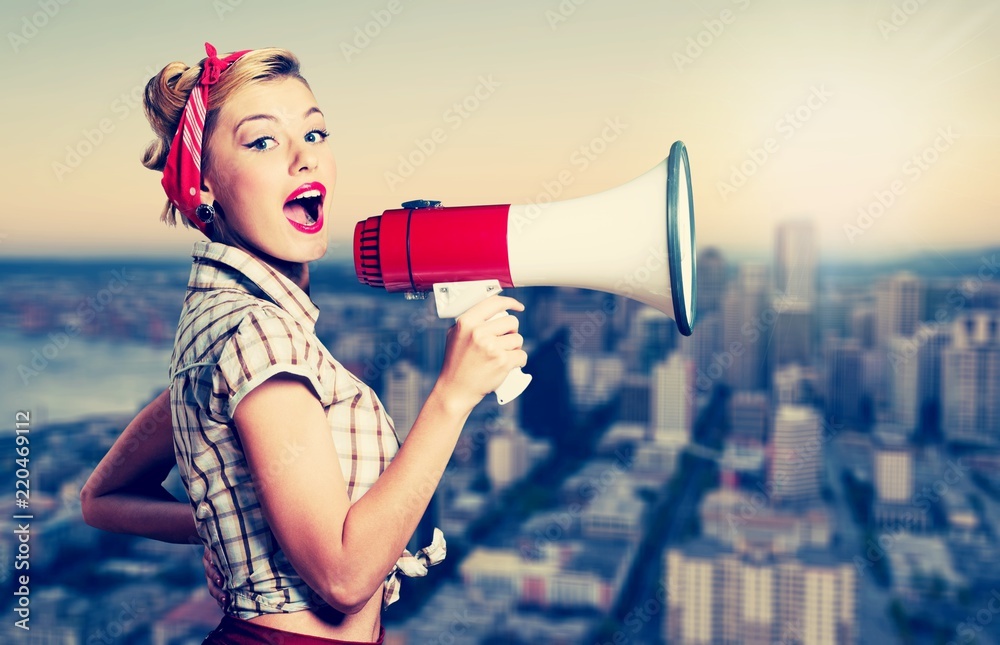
[(271, 117)]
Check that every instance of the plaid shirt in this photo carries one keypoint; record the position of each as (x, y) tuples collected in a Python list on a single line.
[(241, 323)]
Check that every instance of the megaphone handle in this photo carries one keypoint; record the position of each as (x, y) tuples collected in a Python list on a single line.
[(516, 380), (512, 386), (452, 299)]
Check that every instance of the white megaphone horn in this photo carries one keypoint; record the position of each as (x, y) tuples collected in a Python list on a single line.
[(636, 240)]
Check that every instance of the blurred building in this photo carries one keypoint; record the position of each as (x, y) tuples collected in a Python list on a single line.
[(720, 596), (789, 385), (671, 400), (900, 301), (594, 379), (510, 454), (843, 383), (745, 331), (863, 325), (570, 574), (970, 378), (707, 352), (894, 468), (935, 340), (712, 278), (635, 399), (749, 417), (792, 339), (405, 393), (796, 456), (904, 381)]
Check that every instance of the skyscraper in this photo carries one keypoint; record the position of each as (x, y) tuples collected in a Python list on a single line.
[(793, 334), (671, 400), (744, 327), (749, 414), (899, 306), (720, 596), (712, 280), (904, 370), (404, 395), (796, 456), (970, 380), (843, 383)]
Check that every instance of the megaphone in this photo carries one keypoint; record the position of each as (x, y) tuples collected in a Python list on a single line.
[(636, 240)]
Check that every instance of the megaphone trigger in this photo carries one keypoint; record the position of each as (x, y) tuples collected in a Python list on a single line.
[(452, 299)]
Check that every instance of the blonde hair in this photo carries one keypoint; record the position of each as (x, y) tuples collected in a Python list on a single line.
[(167, 93)]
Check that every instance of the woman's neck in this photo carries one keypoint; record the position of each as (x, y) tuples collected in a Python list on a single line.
[(297, 272)]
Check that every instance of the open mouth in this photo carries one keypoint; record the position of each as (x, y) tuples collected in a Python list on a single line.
[(305, 207)]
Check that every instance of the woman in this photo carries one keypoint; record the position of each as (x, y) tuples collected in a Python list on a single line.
[(297, 485)]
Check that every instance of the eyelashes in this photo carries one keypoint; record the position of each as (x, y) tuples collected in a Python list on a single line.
[(267, 142)]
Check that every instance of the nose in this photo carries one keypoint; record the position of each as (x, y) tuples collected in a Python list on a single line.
[(304, 158)]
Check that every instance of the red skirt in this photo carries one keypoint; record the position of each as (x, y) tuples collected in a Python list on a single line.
[(234, 631)]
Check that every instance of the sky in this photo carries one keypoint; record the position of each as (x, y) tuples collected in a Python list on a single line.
[(877, 120)]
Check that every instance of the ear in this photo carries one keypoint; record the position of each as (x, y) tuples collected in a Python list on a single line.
[(207, 193)]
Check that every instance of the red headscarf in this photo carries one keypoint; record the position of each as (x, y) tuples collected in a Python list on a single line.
[(182, 172)]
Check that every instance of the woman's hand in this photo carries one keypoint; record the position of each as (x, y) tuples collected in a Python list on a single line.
[(483, 347), (214, 578)]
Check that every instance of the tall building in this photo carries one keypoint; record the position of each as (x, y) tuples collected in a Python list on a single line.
[(749, 415), (719, 596), (904, 370), (509, 455), (843, 384), (671, 400), (893, 468), (970, 379), (634, 397), (862, 325), (711, 280), (792, 340), (788, 385), (900, 302), (796, 456), (795, 261), (404, 395), (703, 349), (929, 373), (744, 327)]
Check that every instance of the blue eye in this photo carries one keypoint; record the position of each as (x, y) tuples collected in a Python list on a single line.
[(317, 136), (261, 144)]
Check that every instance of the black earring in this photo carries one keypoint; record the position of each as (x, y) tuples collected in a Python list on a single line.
[(205, 213)]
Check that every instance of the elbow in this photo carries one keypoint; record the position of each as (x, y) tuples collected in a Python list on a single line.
[(87, 504), (347, 600)]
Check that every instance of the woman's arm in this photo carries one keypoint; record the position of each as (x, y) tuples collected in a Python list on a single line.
[(344, 552), (125, 492)]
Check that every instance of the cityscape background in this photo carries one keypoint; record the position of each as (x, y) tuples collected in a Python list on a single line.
[(817, 463)]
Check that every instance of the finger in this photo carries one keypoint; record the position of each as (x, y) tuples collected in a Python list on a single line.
[(490, 307), (502, 325), (510, 342)]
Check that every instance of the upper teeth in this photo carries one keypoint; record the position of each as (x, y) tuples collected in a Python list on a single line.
[(308, 193)]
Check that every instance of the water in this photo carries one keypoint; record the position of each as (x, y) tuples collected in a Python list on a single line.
[(86, 377)]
